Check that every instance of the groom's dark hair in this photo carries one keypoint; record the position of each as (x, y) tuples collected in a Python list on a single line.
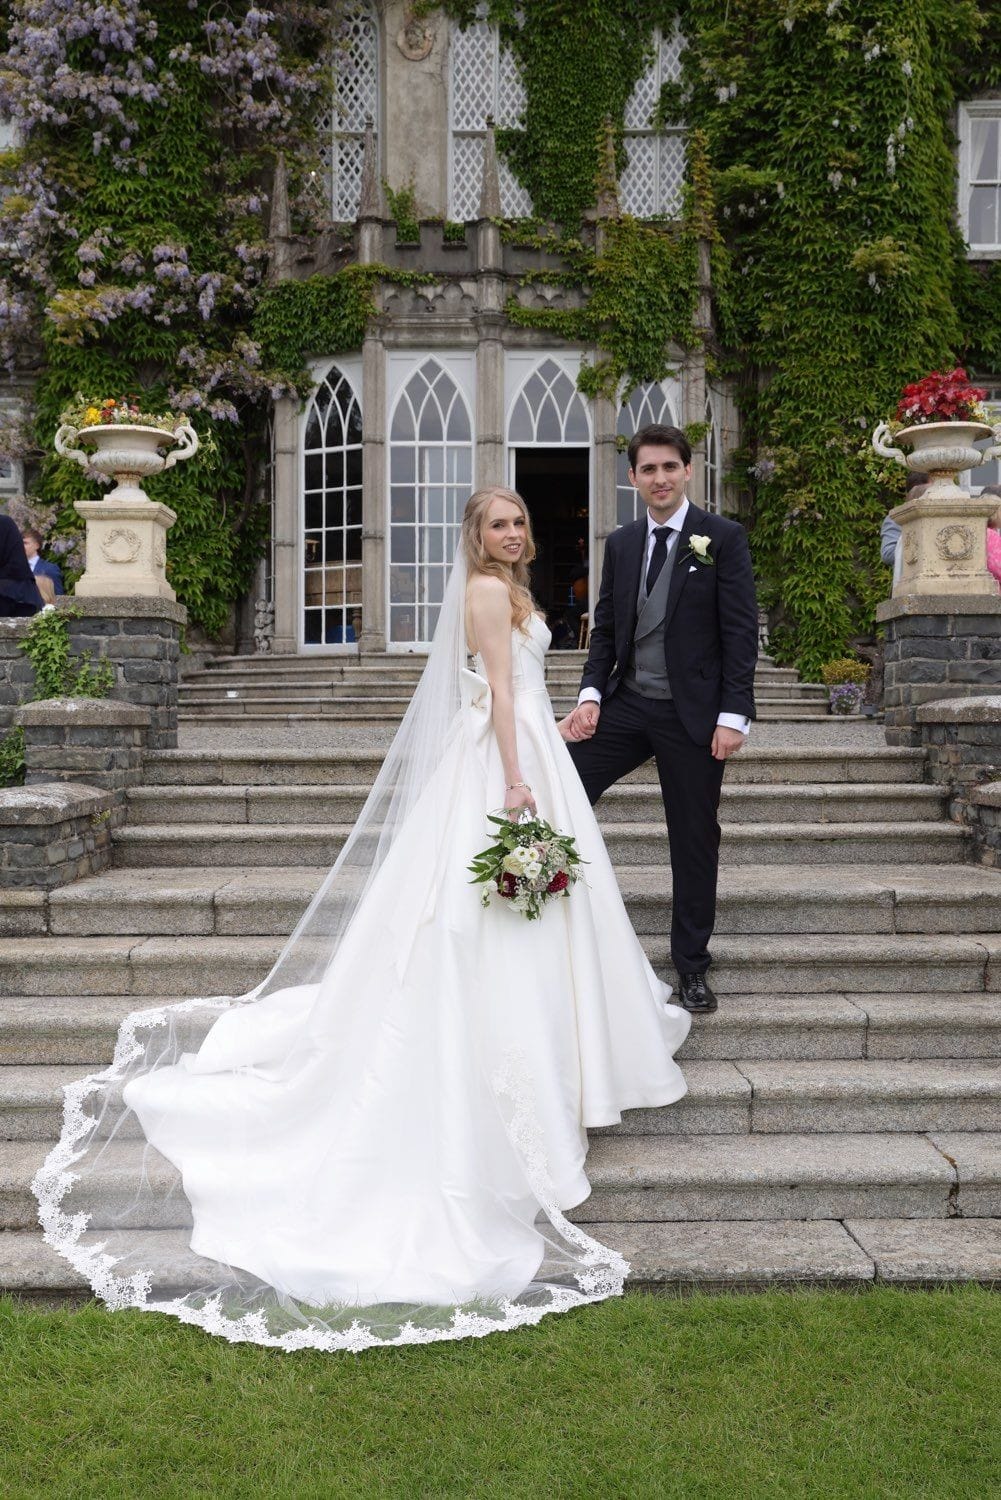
[(657, 436)]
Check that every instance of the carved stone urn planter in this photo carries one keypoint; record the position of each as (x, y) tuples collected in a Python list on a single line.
[(126, 531), (944, 538)]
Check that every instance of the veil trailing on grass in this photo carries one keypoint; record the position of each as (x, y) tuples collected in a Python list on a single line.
[(344, 1157)]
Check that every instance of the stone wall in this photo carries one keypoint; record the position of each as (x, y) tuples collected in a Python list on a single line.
[(140, 636), (937, 647), (962, 737), (52, 834)]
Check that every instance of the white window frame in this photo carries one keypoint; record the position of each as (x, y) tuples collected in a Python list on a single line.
[(350, 368), (992, 408), (970, 111), (401, 366)]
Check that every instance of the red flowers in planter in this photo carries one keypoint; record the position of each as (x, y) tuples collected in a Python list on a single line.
[(941, 397)]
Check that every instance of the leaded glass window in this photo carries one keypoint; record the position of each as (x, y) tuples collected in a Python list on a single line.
[(356, 95), (332, 511), (549, 410), (647, 404), (483, 81), (655, 159), (430, 479)]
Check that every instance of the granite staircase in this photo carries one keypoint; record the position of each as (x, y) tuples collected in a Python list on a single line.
[(844, 1116), (376, 689)]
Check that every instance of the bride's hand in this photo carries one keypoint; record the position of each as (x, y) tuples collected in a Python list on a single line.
[(517, 799), (565, 727)]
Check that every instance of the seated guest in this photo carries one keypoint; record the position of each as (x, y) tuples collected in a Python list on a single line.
[(37, 563), (18, 594)]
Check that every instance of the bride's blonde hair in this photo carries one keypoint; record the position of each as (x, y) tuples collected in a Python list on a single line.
[(477, 560)]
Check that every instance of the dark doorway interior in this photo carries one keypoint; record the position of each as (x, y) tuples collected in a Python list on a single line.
[(553, 482)]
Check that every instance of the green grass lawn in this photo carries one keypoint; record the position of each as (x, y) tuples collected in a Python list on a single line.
[(884, 1393)]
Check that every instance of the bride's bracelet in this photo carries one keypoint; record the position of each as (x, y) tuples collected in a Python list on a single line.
[(513, 785)]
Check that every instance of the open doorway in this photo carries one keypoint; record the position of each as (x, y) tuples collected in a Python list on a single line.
[(554, 483)]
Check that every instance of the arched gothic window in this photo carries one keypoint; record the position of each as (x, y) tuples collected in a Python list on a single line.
[(647, 404), (430, 478), (655, 159), (356, 95), (332, 491), (549, 410), (483, 81)]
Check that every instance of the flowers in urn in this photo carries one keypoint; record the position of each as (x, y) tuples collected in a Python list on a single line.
[(526, 863), (845, 678), (115, 411), (940, 397)]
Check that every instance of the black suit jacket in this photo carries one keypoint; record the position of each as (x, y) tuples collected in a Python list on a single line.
[(710, 628)]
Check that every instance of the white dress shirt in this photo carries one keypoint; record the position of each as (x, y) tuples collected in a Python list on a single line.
[(675, 523)]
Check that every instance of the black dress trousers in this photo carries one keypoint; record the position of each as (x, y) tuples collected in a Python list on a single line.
[(631, 730)]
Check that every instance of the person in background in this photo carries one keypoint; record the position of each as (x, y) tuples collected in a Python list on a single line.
[(37, 563), (18, 593), (994, 533), (889, 532)]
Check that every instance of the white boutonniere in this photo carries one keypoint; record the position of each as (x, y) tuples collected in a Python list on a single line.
[(698, 547)]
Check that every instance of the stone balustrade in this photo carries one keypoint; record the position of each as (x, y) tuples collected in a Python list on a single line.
[(962, 737), (937, 646)]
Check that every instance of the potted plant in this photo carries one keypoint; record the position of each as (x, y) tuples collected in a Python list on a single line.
[(125, 442), (845, 678), (940, 418)]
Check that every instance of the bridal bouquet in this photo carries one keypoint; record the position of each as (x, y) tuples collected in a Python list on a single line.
[(527, 863)]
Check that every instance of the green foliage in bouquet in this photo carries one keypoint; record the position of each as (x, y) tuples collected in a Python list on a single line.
[(526, 863)]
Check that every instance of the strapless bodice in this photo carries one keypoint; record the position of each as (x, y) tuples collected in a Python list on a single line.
[(528, 657)]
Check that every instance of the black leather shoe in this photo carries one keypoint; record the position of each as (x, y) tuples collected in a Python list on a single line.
[(696, 995)]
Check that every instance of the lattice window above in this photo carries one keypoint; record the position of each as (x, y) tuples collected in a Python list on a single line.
[(356, 95), (483, 80), (655, 159), (549, 410)]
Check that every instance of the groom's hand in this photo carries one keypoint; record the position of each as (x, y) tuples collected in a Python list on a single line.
[(726, 742), (584, 720)]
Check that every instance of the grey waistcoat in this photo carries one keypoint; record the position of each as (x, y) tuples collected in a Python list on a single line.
[(647, 670)]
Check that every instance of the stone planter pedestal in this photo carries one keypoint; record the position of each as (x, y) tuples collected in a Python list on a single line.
[(944, 544), (126, 549)]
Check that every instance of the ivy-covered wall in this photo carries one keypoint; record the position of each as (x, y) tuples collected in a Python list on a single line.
[(822, 186)]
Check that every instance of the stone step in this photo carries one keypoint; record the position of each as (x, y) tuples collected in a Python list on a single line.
[(723, 1098), (81, 1029), (207, 966), (165, 844), (289, 767), (738, 1255), (267, 901), (279, 691), (639, 1179), (833, 1176), (826, 802), (386, 710)]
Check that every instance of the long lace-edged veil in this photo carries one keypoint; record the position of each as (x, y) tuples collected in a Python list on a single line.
[(119, 1210)]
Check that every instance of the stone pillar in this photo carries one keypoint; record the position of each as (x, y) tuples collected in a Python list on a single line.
[(489, 324), (937, 647), (604, 500), (414, 91), (374, 498), (286, 527), (987, 824), (126, 549), (944, 543)]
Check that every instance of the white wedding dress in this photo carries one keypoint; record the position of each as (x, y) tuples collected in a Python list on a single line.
[(384, 1154)]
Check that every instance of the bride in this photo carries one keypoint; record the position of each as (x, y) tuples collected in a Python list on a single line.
[(379, 1145)]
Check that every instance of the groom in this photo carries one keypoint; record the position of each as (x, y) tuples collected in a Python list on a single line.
[(670, 674)]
